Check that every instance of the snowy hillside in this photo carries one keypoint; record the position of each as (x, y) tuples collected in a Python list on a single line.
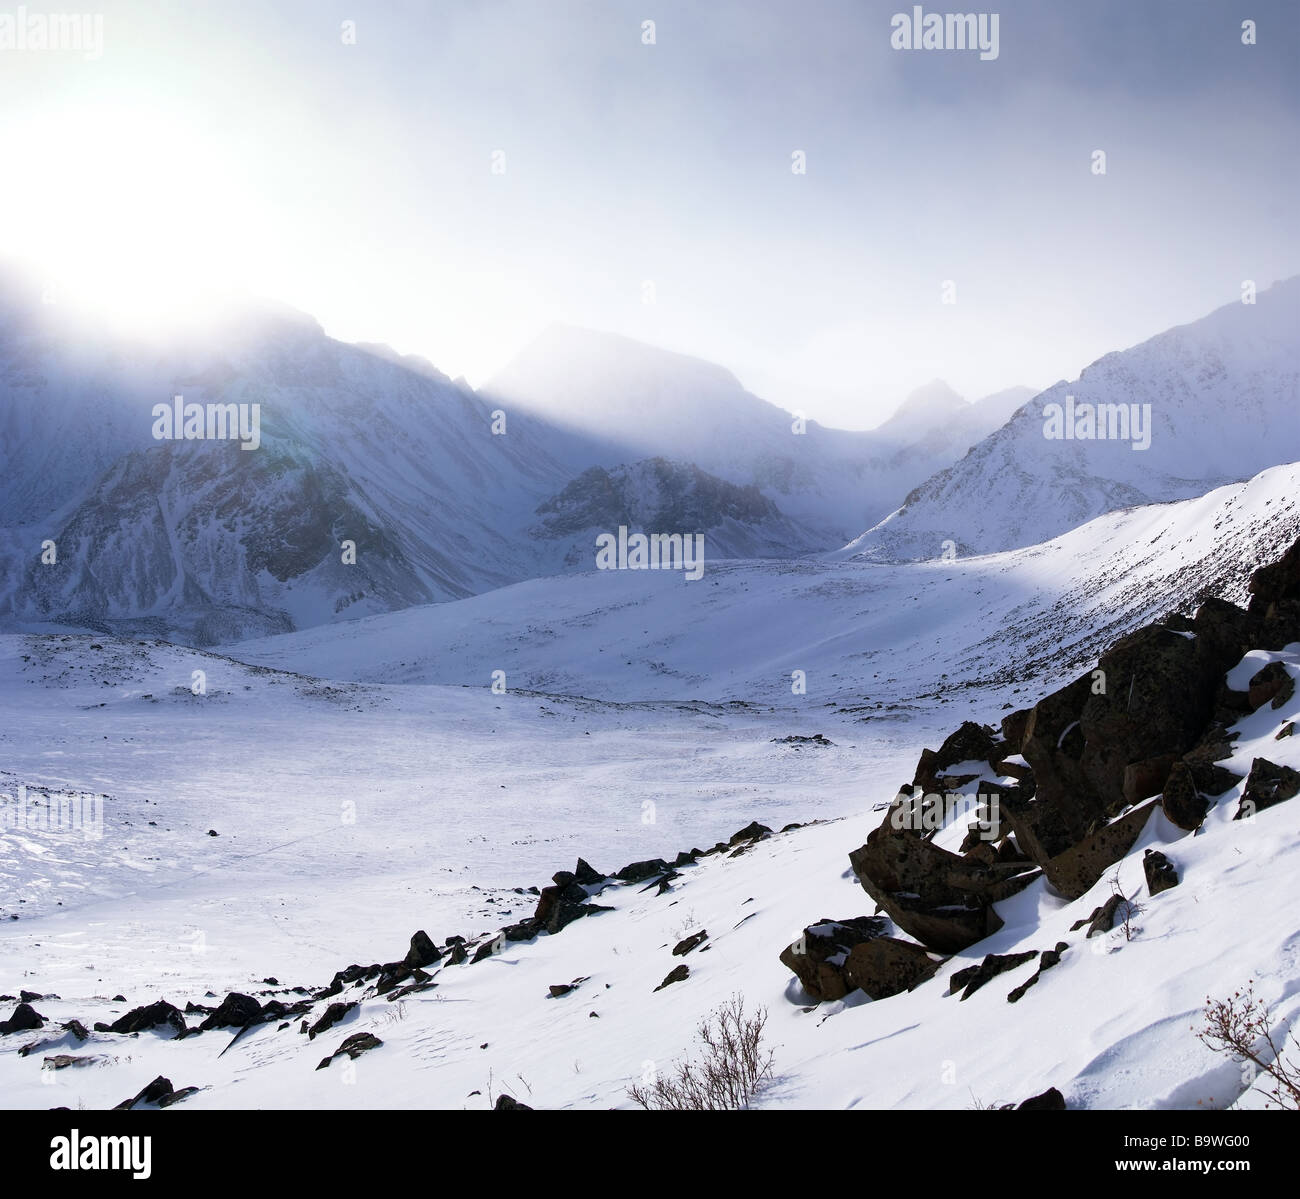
[(1217, 398), (194, 909), (861, 632)]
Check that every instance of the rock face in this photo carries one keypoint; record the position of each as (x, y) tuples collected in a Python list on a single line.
[(942, 899), (1266, 785), (886, 966), (1148, 728), (817, 958)]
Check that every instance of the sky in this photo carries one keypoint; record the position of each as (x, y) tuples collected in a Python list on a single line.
[(452, 177)]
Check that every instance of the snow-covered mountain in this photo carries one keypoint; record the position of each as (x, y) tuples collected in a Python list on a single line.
[(624, 400), (1216, 399), (378, 482)]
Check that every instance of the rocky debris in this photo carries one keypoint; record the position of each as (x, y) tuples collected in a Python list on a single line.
[(1014, 725), (1046, 960), (638, 872), (1160, 872), (970, 743), (750, 833), (1287, 730), (507, 1103), (1074, 872), (585, 876), (25, 1019), (972, 978), (941, 899), (1274, 683), (423, 952), (1103, 917), (676, 975), (333, 1014), (885, 966), (795, 739), (817, 957), (61, 1061), (158, 1093), (1266, 785), (235, 1011), (686, 944), (1182, 800), (141, 1019), (354, 1046), (1051, 1100)]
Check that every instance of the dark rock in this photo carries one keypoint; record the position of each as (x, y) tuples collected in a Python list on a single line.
[(817, 958), (354, 1046), (684, 946), (76, 1028), (506, 1103), (456, 952), (25, 1019), (1144, 779), (676, 975), (1102, 919), (235, 1011), (1287, 730), (1046, 960), (885, 966), (423, 952), (1050, 1100), (154, 1093), (1075, 872), (751, 832), (972, 978), (1273, 683), (1182, 801), (585, 876), (939, 898), (333, 1014), (155, 1015), (638, 872), (1160, 872), (29, 996), (1013, 729), (685, 858), (176, 1096), (1266, 785)]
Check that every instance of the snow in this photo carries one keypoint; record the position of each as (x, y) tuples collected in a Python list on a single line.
[(458, 796)]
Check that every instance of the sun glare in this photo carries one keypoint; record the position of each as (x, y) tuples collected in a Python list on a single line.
[(129, 217)]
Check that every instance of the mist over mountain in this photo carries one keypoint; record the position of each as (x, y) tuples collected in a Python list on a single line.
[(1218, 402)]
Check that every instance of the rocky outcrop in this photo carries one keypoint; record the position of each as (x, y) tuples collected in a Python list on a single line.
[(818, 957)]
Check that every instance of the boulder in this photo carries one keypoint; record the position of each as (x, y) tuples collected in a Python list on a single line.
[(676, 975), (1076, 871), (1273, 684), (333, 1014), (1182, 801), (234, 1011), (423, 952), (140, 1019), (507, 1103), (686, 944), (1266, 785), (638, 872), (937, 897), (817, 957), (885, 966), (24, 1019), (353, 1046), (751, 832), (1046, 960), (1160, 872)]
